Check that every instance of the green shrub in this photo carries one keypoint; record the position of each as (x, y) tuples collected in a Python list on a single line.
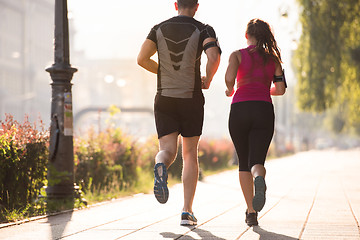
[(23, 160), (106, 164), (215, 154), (106, 161), (175, 169)]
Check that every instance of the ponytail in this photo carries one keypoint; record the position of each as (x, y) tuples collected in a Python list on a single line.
[(266, 43)]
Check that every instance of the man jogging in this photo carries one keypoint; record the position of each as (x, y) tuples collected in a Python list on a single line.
[(179, 102)]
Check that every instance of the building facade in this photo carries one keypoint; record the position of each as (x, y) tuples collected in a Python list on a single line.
[(26, 49)]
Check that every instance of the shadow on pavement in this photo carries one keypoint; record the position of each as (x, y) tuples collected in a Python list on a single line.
[(203, 234), (58, 224), (265, 235)]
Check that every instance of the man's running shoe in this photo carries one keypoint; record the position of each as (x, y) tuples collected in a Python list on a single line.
[(188, 219), (251, 219), (161, 190), (259, 197)]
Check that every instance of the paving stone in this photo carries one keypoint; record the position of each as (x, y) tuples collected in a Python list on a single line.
[(310, 195)]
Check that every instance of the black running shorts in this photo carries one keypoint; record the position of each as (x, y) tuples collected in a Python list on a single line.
[(182, 115)]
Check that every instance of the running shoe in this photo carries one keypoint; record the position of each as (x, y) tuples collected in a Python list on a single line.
[(161, 190), (188, 219), (251, 219), (259, 197)]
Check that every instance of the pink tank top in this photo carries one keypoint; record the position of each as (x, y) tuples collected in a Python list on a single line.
[(253, 77)]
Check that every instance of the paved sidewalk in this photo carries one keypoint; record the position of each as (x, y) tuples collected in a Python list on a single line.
[(311, 195)]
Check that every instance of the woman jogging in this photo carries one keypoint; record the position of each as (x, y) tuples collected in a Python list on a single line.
[(251, 120)]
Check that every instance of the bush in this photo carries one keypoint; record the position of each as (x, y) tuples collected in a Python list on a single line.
[(215, 154), (23, 160), (106, 161), (175, 169)]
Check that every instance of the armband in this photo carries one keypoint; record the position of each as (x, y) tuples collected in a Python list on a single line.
[(280, 78), (212, 44)]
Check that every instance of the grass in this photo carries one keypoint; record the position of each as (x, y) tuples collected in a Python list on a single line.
[(40, 207), (145, 185), (44, 207), (206, 173), (14, 215)]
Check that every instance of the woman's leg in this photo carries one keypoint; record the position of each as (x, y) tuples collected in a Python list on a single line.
[(247, 183), (239, 126), (258, 170), (260, 136), (259, 140)]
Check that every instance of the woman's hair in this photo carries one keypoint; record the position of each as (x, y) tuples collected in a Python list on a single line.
[(187, 3), (266, 43)]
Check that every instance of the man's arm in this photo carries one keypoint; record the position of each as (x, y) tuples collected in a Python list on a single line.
[(213, 61), (148, 49)]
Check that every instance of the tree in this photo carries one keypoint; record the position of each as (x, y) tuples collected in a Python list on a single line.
[(328, 62)]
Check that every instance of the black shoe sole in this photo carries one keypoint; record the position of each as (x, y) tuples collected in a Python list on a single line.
[(161, 190), (259, 198)]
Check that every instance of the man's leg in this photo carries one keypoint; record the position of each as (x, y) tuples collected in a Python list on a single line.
[(164, 158), (190, 170), (167, 149)]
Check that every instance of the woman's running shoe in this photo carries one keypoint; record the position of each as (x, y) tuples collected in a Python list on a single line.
[(161, 190), (259, 197), (188, 219), (251, 219)]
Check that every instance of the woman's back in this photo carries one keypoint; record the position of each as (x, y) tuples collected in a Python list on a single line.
[(253, 77)]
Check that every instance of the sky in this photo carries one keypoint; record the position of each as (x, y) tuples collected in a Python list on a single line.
[(117, 29), (121, 26)]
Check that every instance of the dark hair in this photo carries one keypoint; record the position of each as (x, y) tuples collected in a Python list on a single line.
[(266, 43), (187, 3)]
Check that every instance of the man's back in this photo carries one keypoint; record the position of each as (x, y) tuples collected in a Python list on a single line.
[(179, 42)]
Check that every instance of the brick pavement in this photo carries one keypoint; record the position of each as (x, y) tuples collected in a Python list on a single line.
[(311, 195)]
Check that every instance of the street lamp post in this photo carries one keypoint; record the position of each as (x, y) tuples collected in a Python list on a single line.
[(61, 160)]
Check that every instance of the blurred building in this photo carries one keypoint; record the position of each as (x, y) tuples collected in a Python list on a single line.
[(101, 83), (26, 49)]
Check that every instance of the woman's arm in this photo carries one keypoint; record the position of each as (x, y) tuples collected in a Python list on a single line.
[(231, 72), (279, 87)]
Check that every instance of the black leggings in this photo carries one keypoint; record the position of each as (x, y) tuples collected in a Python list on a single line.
[(251, 126)]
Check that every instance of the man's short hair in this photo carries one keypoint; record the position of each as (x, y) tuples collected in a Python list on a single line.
[(187, 3)]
